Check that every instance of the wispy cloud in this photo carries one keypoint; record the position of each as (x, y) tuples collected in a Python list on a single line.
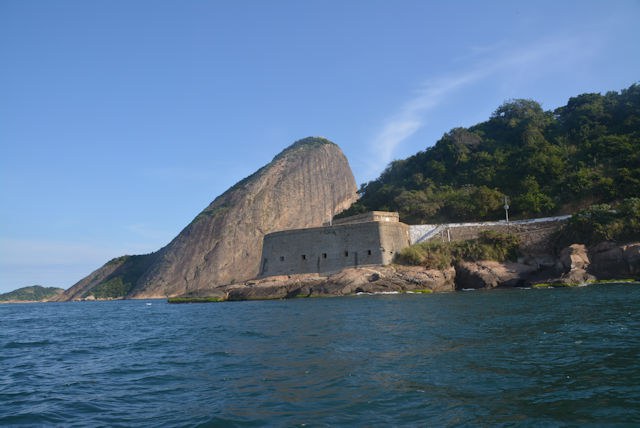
[(411, 118), (512, 63)]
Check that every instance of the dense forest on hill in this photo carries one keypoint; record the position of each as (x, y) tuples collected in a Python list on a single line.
[(544, 162)]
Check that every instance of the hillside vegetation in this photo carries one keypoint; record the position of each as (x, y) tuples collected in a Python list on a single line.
[(490, 245), (545, 162), (34, 293), (603, 223)]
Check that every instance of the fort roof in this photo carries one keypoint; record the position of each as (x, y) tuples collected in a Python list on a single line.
[(364, 240), (383, 216)]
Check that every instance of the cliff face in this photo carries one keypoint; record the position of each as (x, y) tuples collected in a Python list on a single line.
[(302, 187)]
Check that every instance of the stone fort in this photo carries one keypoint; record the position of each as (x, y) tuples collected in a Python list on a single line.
[(375, 237), (372, 238)]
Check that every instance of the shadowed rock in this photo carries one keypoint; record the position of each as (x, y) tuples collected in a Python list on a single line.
[(491, 274)]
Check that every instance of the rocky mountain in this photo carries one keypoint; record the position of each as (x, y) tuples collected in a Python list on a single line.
[(304, 186)]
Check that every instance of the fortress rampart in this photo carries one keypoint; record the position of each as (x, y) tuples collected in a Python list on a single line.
[(333, 248)]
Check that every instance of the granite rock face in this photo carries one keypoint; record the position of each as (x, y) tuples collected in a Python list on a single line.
[(609, 260), (491, 274), (378, 279), (575, 257), (304, 186), (575, 262), (631, 255)]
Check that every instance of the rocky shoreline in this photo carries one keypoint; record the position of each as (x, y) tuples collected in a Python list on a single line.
[(575, 265)]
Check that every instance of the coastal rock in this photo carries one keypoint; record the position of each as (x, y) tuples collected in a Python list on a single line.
[(491, 274), (539, 261), (574, 256), (389, 279), (575, 276), (574, 262), (432, 279), (381, 279), (612, 261), (631, 254), (304, 186), (607, 261)]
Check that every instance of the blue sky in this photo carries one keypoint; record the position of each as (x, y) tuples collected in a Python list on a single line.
[(121, 120)]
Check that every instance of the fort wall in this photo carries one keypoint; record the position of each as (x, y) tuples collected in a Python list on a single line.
[(330, 249)]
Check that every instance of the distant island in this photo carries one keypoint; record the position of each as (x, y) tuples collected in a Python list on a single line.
[(34, 293)]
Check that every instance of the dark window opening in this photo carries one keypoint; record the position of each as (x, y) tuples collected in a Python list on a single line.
[(281, 258), (346, 254), (368, 252), (324, 255), (304, 257)]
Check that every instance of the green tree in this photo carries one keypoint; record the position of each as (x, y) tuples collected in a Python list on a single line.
[(581, 154)]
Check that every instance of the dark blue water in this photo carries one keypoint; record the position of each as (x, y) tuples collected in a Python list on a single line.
[(501, 358)]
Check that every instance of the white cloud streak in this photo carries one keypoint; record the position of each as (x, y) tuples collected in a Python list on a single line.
[(524, 62)]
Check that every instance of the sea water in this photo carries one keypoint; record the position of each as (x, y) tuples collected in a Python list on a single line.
[(516, 357)]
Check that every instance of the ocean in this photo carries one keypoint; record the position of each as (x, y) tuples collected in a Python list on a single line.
[(517, 357)]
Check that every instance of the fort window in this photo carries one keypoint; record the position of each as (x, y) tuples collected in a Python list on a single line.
[(368, 252), (346, 254), (281, 258), (304, 257), (324, 255)]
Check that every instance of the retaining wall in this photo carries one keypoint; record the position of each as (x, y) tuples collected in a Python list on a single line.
[(534, 233)]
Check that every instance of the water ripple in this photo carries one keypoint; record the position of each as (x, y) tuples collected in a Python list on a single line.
[(504, 358)]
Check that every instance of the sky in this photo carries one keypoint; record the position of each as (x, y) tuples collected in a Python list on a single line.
[(121, 120)]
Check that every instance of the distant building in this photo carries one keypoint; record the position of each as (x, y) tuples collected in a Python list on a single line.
[(372, 238)]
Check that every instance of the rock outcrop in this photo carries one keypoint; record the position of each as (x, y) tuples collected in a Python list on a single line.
[(609, 260), (575, 265), (491, 274), (574, 262), (379, 279), (304, 186)]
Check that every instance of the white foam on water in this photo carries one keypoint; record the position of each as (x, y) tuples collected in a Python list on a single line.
[(376, 293)]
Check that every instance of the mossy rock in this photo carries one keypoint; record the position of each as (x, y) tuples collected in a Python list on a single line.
[(195, 299)]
